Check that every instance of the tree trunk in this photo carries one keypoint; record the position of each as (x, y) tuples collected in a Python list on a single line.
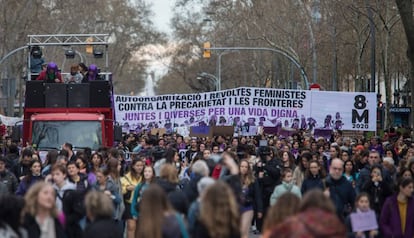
[(387, 79), (405, 8)]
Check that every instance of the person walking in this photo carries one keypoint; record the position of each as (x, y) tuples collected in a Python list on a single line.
[(99, 210), (158, 216), (40, 219), (397, 215), (340, 189), (129, 182), (219, 213)]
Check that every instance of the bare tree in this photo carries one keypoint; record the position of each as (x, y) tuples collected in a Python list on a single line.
[(127, 22), (405, 7)]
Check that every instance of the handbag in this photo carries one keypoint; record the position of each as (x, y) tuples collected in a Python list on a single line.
[(128, 194)]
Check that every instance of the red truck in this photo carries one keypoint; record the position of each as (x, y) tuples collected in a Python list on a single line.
[(81, 114)]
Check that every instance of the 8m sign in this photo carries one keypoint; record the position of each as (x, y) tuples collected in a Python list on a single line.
[(360, 113)]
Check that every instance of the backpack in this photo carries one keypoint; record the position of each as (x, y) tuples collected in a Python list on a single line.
[(73, 203)]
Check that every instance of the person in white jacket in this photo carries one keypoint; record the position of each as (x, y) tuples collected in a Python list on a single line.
[(61, 184), (285, 187)]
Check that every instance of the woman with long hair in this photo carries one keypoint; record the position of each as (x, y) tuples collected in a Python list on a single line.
[(389, 152), (397, 215), (113, 170), (82, 163), (159, 218), (129, 182), (350, 172), (334, 152), (287, 205), (41, 213), (172, 157), (107, 186), (50, 160), (96, 163), (251, 197), (345, 155), (299, 172), (219, 213), (30, 179), (288, 160), (169, 181), (404, 173), (148, 178), (314, 177)]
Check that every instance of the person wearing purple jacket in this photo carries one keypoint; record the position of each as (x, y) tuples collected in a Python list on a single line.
[(33, 177), (397, 216)]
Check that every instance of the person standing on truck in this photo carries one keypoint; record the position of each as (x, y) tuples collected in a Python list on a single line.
[(51, 74), (74, 76), (83, 69), (36, 62), (92, 74)]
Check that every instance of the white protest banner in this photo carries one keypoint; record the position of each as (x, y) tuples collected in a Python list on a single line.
[(10, 121), (249, 107)]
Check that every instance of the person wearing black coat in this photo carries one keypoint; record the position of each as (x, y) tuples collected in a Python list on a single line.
[(251, 197), (268, 172), (99, 210), (365, 173), (198, 170), (168, 181), (33, 228), (22, 167), (12, 157), (40, 219), (341, 191), (314, 177), (377, 189)]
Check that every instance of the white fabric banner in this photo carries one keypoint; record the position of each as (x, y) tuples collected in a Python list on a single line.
[(10, 121), (250, 106)]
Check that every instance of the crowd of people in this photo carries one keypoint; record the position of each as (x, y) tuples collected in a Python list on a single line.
[(50, 72), (174, 186), (79, 73)]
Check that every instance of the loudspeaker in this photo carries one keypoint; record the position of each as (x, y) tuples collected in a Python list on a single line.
[(55, 95), (78, 95), (100, 95), (35, 96)]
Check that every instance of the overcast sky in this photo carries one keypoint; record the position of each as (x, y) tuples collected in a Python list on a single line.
[(163, 14)]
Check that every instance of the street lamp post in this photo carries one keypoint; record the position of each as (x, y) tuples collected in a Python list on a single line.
[(274, 50), (212, 77)]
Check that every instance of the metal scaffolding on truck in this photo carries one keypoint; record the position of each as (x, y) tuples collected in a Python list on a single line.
[(68, 40)]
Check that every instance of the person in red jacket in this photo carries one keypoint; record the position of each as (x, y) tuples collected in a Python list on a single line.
[(3, 131), (51, 74)]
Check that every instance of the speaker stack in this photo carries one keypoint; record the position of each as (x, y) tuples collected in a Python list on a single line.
[(91, 94), (55, 95), (78, 95), (100, 93), (34, 94)]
